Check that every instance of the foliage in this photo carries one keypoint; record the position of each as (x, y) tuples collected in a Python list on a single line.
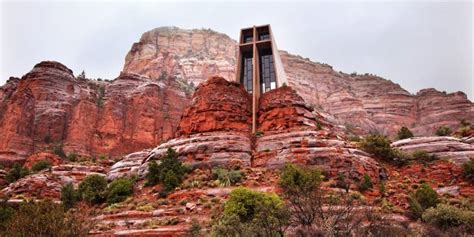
[(119, 189), (341, 182), (468, 170), (252, 213), (382, 188), (92, 189), (366, 184), (169, 172), (443, 131), (227, 177), (259, 133), (465, 128), (100, 96), (46, 218), (82, 75), (72, 157), (40, 165), (6, 213), (58, 150), (195, 228), (423, 156), (446, 216), (404, 133), (424, 197), (69, 196), (16, 172), (379, 146)]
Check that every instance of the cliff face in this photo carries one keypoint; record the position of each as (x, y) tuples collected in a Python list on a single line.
[(365, 101), (50, 107), (142, 107)]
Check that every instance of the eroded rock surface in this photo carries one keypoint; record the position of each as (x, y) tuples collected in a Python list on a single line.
[(448, 148)]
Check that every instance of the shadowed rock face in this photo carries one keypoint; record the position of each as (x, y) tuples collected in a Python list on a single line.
[(49, 106)]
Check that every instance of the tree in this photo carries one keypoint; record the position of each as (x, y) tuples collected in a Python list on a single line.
[(312, 211), (468, 170), (366, 184), (252, 213), (424, 198), (170, 172), (119, 189), (446, 216), (17, 172), (69, 196), (92, 189), (82, 75), (46, 218), (404, 133)]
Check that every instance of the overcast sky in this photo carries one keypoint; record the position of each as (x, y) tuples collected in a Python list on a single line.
[(415, 44)]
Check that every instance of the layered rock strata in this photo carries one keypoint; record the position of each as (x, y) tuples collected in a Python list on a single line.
[(49, 106), (448, 148)]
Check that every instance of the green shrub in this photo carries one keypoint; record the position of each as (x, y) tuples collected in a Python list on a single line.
[(16, 172), (69, 196), (6, 213), (424, 198), (423, 156), (341, 182), (443, 131), (468, 170), (46, 218), (72, 157), (465, 128), (295, 178), (259, 133), (119, 189), (404, 133), (227, 177), (169, 172), (92, 189), (366, 184), (377, 145), (40, 165), (58, 150), (446, 216), (252, 213), (382, 188)]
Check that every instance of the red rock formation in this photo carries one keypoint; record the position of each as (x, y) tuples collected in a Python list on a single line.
[(47, 156), (290, 133), (218, 105), (92, 118), (367, 102)]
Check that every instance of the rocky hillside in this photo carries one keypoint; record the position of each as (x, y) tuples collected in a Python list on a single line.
[(50, 107)]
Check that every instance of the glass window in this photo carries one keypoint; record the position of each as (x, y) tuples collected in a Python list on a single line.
[(247, 72), (267, 71), (264, 36)]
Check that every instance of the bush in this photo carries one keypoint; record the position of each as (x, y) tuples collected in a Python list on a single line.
[(16, 172), (6, 213), (69, 195), (227, 177), (169, 172), (423, 156), (72, 157), (424, 198), (378, 145), (119, 189), (40, 165), (404, 133), (262, 213), (58, 150), (443, 131), (46, 218), (366, 184), (468, 170), (341, 182), (446, 216), (92, 189)]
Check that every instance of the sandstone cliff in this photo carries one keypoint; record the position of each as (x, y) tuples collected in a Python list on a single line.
[(366, 101), (50, 107)]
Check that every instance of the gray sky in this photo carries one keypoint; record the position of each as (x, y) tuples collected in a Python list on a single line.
[(416, 44)]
